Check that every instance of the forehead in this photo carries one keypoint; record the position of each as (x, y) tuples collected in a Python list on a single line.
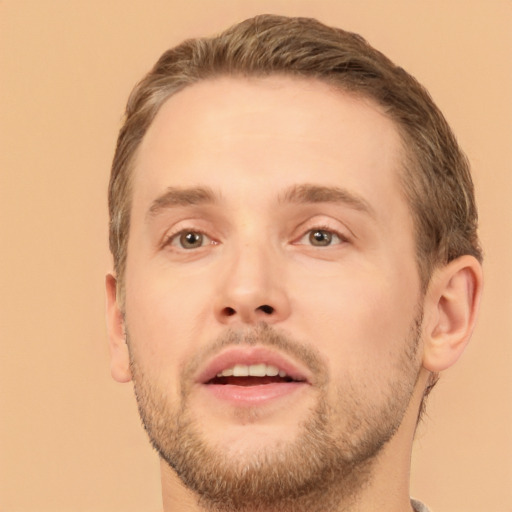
[(245, 133)]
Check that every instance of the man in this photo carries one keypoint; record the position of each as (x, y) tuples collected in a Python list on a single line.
[(294, 237)]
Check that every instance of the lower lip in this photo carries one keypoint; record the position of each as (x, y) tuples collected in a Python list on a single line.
[(253, 395)]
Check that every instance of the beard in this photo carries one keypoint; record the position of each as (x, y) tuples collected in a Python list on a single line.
[(327, 463)]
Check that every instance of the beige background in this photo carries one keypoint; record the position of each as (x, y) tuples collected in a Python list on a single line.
[(70, 438)]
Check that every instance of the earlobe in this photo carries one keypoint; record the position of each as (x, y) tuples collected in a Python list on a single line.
[(453, 300), (119, 356)]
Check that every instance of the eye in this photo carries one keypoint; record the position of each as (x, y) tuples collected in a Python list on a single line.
[(321, 238), (189, 239)]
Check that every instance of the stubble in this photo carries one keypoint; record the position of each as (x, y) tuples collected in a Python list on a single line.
[(323, 469)]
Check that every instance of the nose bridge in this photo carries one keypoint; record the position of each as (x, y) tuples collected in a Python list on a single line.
[(251, 272), (251, 287)]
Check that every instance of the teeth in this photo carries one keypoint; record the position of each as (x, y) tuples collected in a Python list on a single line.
[(272, 371), (240, 370), (257, 370), (253, 370)]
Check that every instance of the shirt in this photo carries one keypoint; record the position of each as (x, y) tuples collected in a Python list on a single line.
[(418, 506)]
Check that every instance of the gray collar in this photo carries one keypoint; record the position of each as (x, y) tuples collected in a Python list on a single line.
[(418, 506)]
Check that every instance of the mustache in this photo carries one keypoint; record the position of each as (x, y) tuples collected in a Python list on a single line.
[(261, 334)]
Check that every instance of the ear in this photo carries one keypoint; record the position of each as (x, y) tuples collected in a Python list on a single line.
[(452, 300), (119, 356)]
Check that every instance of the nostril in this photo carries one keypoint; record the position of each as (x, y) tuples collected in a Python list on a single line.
[(265, 309)]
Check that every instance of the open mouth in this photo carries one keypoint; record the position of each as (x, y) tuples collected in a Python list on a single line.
[(252, 375)]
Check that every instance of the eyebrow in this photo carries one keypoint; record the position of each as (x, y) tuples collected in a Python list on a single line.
[(300, 194), (307, 193), (175, 197)]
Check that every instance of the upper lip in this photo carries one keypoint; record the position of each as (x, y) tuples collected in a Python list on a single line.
[(252, 355)]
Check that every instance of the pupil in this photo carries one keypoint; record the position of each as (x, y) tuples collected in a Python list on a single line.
[(191, 240), (320, 238)]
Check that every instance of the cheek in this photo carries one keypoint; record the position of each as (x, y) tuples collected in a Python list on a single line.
[(359, 320), (164, 315)]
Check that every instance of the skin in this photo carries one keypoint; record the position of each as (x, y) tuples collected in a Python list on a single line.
[(250, 142)]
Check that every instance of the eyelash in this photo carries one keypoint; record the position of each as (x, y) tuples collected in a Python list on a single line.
[(327, 229), (169, 239)]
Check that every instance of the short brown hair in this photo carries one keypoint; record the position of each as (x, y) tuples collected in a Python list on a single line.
[(436, 176)]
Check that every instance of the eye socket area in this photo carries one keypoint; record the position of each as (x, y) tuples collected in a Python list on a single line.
[(189, 239), (321, 237), (193, 238)]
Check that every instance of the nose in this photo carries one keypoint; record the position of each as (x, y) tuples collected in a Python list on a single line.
[(252, 289)]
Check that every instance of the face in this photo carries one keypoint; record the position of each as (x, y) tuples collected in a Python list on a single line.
[(272, 293)]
